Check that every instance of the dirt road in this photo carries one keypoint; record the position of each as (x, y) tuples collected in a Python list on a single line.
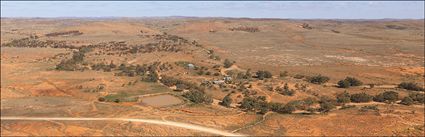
[(158, 122)]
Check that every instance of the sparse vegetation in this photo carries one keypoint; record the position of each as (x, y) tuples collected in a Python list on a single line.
[(285, 90), (390, 96), (343, 97), (360, 97), (349, 81), (198, 97), (366, 108), (410, 86), (281, 108), (319, 79)]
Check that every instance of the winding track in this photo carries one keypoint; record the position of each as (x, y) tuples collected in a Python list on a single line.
[(158, 122)]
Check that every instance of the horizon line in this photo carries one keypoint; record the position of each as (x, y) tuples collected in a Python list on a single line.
[(135, 17)]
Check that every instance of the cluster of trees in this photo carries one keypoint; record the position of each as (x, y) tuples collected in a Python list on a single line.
[(259, 105), (319, 79), (34, 42), (73, 63), (386, 96), (148, 72), (180, 84), (410, 86), (198, 97), (348, 82), (103, 66)]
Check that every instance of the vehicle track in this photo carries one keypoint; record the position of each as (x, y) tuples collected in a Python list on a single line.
[(151, 121)]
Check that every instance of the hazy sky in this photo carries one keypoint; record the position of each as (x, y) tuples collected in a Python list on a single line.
[(253, 9)]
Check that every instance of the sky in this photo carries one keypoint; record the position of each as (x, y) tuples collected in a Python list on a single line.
[(250, 9)]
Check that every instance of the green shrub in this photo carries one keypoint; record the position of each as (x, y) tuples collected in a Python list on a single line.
[(410, 86), (343, 98), (343, 84), (319, 79), (248, 103), (349, 81), (360, 97), (390, 96), (326, 106), (257, 104), (309, 101), (281, 108), (354, 81)]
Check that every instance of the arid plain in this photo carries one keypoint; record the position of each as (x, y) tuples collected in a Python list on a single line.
[(211, 76)]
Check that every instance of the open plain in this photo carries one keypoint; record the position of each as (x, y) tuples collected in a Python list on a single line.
[(179, 76)]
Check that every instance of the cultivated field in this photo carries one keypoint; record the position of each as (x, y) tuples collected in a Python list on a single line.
[(211, 76)]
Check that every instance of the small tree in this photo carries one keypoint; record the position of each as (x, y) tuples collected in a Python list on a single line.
[(319, 79), (353, 81), (360, 97), (343, 98), (326, 106), (248, 103), (343, 84), (390, 96), (263, 107), (379, 98), (410, 86), (349, 81)]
